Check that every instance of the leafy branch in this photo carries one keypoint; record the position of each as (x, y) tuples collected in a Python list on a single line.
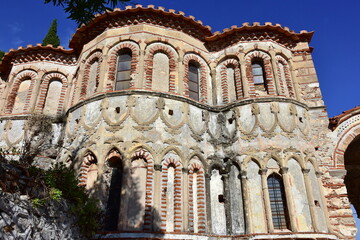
[(83, 11)]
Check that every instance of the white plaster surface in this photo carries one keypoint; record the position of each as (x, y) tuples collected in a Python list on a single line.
[(303, 218), (52, 98), (217, 208), (256, 198)]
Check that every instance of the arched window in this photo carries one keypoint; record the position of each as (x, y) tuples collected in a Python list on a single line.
[(279, 212), (93, 78), (194, 73), (123, 70), (21, 96), (53, 96)]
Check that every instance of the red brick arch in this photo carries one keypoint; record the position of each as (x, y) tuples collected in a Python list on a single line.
[(22, 76), (97, 56), (203, 76), (224, 81), (347, 137), (178, 219), (142, 153), (288, 81), (197, 167), (88, 160), (44, 87), (267, 68), (149, 62), (112, 62)]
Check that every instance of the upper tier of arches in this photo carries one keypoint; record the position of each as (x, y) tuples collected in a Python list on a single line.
[(154, 57)]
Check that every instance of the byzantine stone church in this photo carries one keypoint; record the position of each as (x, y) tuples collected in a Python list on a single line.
[(188, 134)]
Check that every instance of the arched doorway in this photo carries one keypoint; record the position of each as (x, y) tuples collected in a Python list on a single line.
[(352, 178)]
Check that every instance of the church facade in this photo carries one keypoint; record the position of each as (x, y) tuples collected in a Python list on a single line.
[(188, 134)]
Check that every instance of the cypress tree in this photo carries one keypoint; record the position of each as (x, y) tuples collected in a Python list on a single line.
[(51, 36)]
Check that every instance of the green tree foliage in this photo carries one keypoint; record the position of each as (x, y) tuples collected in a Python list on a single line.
[(83, 11), (2, 53), (52, 37)]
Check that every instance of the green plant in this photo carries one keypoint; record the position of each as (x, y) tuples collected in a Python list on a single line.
[(37, 202), (55, 194), (84, 207)]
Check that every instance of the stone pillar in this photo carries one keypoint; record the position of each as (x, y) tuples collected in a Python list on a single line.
[(140, 82), (265, 190), (310, 199), (102, 78), (227, 202), (185, 199), (297, 89), (208, 203), (247, 210), (156, 224), (68, 95), (244, 79), (213, 83), (323, 199), (35, 92), (181, 74), (276, 74), (289, 198), (78, 82)]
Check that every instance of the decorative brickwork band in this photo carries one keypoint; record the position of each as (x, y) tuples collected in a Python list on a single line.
[(344, 141), (149, 63), (230, 63), (197, 206), (286, 84), (44, 88), (95, 57), (24, 75), (112, 63), (203, 76), (177, 218), (88, 160), (146, 156), (265, 59)]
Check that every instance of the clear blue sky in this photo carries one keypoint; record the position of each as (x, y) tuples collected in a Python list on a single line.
[(336, 39)]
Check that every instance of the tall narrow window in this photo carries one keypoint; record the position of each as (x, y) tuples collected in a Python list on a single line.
[(279, 212), (258, 73), (123, 70), (194, 81)]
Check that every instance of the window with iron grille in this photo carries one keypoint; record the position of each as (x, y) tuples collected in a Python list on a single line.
[(193, 81), (279, 211), (123, 70)]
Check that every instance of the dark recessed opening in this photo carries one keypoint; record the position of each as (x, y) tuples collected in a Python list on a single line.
[(77, 120), (230, 120), (316, 148), (171, 112), (117, 109), (221, 198), (300, 119), (316, 202)]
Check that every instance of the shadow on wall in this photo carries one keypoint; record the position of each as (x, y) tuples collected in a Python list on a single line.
[(122, 193)]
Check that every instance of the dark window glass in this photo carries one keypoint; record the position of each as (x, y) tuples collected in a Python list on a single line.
[(193, 81), (280, 216), (123, 70), (258, 73)]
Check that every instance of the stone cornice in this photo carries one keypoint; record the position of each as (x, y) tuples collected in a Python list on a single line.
[(207, 107)]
